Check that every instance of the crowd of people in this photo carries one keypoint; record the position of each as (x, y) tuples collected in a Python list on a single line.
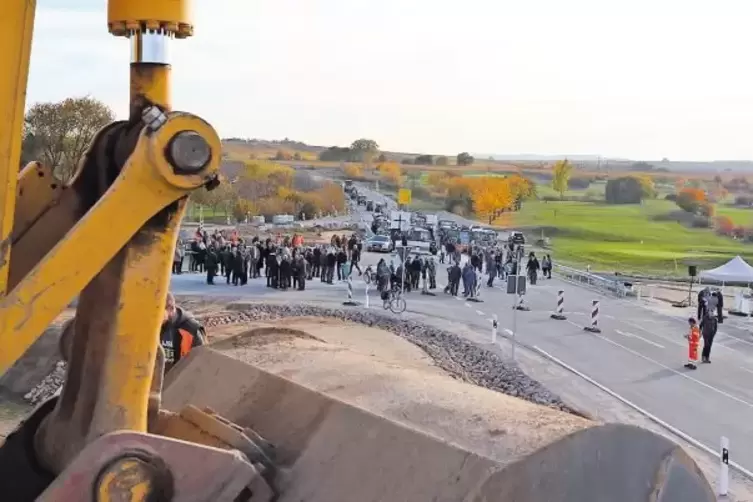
[(497, 261), (286, 261)]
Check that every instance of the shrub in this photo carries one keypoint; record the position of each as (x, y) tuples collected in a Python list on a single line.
[(743, 200), (625, 190), (724, 225), (700, 222)]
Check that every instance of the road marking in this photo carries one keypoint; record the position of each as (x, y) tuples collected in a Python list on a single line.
[(457, 298), (666, 339), (683, 375), (674, 430), (468, 305), (632, 335), (479, 312)]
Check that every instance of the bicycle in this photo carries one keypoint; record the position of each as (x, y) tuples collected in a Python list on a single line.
[(369, 275), (395, 301)]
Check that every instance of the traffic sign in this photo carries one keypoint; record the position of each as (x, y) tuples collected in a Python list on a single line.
[(404, 196)]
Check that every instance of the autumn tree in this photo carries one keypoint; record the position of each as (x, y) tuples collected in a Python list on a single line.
[(62, 132), (391, 172), (353, 171), (724, 225), (692, 200), (491, 196), (561, 173)]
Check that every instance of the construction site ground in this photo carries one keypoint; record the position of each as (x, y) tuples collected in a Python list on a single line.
[(378, 371)]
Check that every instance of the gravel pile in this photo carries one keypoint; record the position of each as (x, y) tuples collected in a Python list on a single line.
[(450, 352)]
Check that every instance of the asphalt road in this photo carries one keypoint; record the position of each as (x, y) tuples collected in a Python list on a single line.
[(639, 354)]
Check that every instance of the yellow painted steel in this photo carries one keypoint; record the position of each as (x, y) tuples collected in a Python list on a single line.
[(150, 84), (16, 30), (146, 184), (132, 15), (127, 378), (128, 479)]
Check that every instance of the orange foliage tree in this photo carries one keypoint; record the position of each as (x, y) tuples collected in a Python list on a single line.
[(391, 172), (724, 225), (353, 171), (691, 200)]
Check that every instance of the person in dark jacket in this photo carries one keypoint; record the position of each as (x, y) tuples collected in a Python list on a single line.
[(342, 259), (237, 265), (180, 332), (709, 325), (211, 262), (532, 268)]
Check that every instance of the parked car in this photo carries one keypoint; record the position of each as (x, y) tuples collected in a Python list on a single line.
[(379, 243)]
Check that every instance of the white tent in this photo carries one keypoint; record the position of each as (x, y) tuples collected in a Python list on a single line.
[(735, 270)]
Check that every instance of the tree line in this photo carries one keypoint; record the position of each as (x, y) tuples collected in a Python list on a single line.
[(367, 151)]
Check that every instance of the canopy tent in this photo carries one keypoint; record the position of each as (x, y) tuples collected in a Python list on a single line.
[(735, 270)]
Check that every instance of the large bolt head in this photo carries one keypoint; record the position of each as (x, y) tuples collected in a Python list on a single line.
[(189, 152)]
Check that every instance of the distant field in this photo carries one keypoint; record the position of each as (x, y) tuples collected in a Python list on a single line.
[(740, 216), (628, 238)]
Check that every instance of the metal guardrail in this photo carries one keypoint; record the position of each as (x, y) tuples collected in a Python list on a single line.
[(593, 281)]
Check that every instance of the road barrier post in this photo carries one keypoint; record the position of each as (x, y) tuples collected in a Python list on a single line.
[(350, 302), (559, 313), (494, 328), (520, 303), (594, 327), (724, 468)]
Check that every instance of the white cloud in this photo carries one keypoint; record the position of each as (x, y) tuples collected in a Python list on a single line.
[(641, 79)]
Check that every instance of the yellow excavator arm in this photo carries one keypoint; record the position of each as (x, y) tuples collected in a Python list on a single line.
[(108, 237)]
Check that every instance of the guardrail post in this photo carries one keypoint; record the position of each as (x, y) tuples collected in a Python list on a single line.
[(495, 320), (724, 468)]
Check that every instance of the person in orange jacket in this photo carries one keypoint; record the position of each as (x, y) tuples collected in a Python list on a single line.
[(180, 332), (694, 341)]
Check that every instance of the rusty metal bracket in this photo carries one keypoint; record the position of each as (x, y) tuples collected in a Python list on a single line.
[(125, 466)]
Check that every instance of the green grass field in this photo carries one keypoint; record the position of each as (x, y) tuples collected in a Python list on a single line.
[(740, 216), (627, 238)]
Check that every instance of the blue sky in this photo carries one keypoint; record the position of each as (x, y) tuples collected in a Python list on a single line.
[(641, 79)]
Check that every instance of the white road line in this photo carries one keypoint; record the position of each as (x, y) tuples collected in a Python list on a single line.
[(677, 432), (683, 375), (633, 335), (479, 312), (457, 298), (468, 305), (666, 339)]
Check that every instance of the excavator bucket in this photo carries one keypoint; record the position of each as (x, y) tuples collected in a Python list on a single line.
[(376, 437)]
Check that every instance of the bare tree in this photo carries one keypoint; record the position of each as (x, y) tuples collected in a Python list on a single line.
[(63, 131)]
